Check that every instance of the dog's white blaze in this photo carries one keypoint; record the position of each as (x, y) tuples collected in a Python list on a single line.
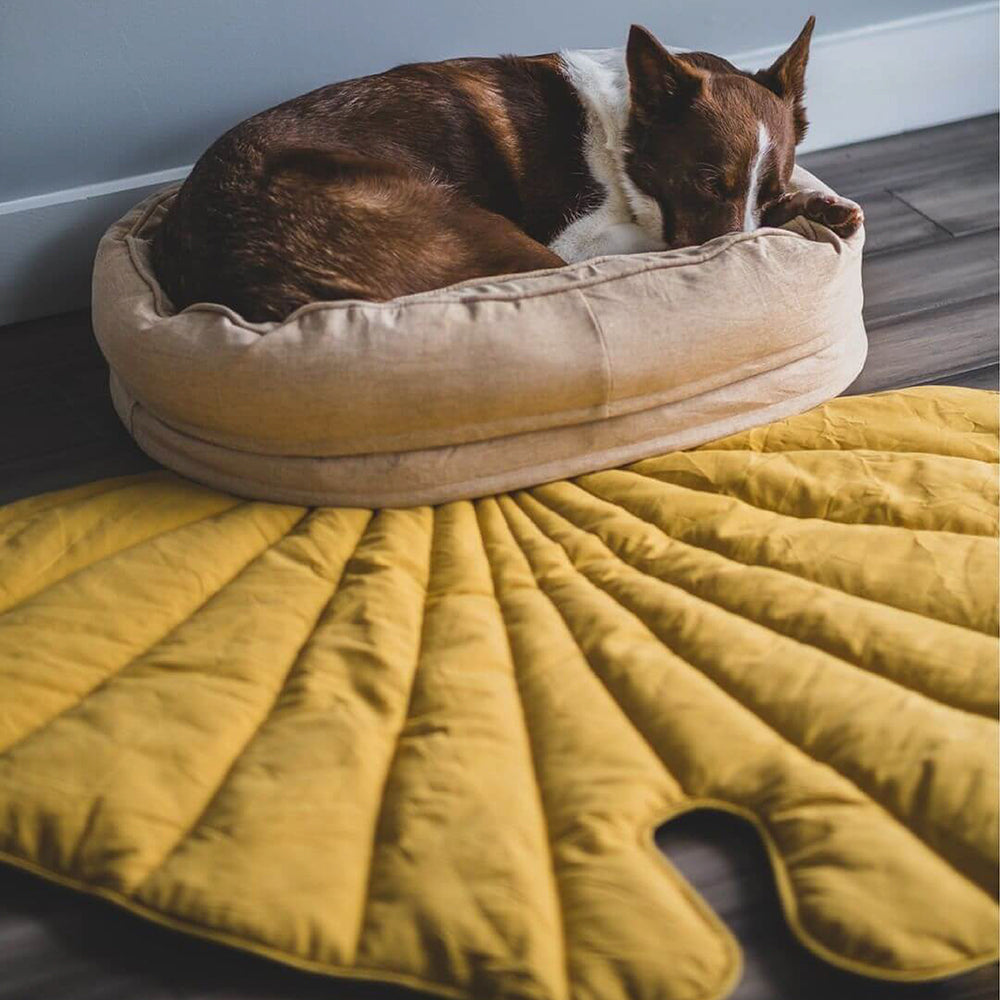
[(753, 185)]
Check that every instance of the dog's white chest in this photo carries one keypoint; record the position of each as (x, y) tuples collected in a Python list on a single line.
[(605, 230), (626, 221)]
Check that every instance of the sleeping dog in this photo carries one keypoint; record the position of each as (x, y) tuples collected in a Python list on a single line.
[(435, 173)]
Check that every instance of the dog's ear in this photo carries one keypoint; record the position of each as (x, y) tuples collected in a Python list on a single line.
[(786, 77), (660, 84)]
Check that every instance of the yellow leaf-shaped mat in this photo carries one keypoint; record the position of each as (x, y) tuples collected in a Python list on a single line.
[(430, 746)]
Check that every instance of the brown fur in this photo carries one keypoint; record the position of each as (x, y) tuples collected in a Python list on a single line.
[(414, 179), (700, 113), (435, 173)]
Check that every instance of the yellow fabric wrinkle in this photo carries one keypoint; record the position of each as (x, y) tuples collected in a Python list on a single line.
[(430, 746)]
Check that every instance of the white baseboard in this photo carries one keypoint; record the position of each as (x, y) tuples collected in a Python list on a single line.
[(898, 75), (864, 83), (47, 243)]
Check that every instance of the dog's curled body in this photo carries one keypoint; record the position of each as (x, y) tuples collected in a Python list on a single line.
[(377, 187), (434, 173)]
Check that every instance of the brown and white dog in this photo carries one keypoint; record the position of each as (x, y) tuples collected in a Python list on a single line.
[(434, 173)]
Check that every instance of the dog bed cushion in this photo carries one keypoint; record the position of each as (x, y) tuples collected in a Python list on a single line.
[(484, 386), (429, 746)]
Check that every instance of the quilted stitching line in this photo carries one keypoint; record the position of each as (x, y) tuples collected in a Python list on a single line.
[(295, 660), (398, 737), (721, 492), (110, 555), (517, 670), (788, 572), (709, 449), (49, 501), (708, 916), (648, 741), (936, 698), (538, 586), (138, 656), (792, 912), (790, 741)]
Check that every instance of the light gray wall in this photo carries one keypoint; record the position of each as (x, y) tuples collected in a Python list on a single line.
[(93, 90)]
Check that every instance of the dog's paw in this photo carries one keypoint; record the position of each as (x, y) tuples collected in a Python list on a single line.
[(842, 215)]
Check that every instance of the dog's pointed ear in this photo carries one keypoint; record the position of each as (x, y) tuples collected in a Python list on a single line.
[(786, 77), (659, 82)]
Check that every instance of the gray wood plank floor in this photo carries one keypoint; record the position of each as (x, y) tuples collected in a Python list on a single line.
[(931, 293)]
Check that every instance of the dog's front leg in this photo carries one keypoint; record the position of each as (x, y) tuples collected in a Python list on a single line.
[(841, 215)]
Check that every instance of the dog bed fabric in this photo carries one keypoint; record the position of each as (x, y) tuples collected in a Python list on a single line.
[(429, 746), (485, 386)]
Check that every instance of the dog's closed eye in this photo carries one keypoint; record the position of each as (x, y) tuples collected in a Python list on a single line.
[(711, 182)]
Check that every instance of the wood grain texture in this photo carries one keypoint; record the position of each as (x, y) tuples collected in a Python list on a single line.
[(948, 151), (939, 344), (978, 378), (891, 223), (910, 280), (962, 205), (931, 294)]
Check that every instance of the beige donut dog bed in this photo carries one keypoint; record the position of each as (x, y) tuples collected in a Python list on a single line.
[(486, 386)]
